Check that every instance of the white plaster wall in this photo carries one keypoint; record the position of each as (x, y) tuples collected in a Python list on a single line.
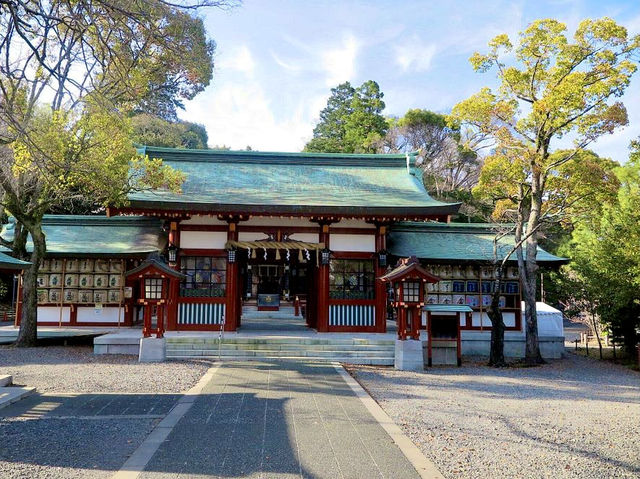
[(203, 239), (508, 317), (251, 236), (52, 314), (305, 237), (108, 314), (203, 220), (340, 242)]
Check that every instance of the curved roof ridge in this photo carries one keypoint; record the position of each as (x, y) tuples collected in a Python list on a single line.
[(274, 157)]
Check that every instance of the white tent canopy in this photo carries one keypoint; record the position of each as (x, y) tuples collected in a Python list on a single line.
[(549, 320)]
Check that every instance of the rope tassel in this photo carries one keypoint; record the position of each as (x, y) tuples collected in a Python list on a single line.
[(277, 254)]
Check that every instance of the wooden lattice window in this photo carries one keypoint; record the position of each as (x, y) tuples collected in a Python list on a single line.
[(153, 288)]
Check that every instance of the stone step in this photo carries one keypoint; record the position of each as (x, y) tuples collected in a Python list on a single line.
[(280, 347), (9, 395), (278, 354), (281, 340), (387, 361)]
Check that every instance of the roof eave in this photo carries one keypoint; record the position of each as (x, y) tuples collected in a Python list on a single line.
[(303, 210)]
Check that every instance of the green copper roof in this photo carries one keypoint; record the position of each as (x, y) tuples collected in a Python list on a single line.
[(97, 235), (453, 242), (9, 262), (304, 183)]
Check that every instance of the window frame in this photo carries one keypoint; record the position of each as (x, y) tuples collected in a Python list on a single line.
[(342, 271), (192, 266)]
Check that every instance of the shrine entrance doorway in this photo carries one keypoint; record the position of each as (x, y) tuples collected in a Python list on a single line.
[(276, 284)]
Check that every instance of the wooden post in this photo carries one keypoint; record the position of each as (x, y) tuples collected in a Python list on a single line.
[(459, 340), (121, 290), (146, 327), (231, 314), (402, 323), (160, 310), (415, 322), (429, 340), (380, 287), (323, 285), (174, 286), (64, 271)]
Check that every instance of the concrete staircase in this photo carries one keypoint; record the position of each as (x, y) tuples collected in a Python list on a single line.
[(282, 335), (325, 349)]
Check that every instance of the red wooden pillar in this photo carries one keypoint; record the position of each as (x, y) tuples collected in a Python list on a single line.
[(233, 292), (402, 323), (174, 286), (146, 321), (323, 285), (380, 288)]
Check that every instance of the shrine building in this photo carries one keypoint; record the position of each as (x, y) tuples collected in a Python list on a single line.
[(259, 231)]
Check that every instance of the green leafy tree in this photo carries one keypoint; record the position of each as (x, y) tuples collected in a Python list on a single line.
[(352, 121), (69, 73), (551, 86), (154, 131), (604, 254)]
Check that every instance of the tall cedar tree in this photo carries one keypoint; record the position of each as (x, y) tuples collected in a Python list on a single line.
[(352, 121)]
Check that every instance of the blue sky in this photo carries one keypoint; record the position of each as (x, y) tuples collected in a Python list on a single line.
[(277, 60)]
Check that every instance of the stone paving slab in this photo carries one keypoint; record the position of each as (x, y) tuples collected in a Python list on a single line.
[(275, 419), (53, 405), (76, 435)]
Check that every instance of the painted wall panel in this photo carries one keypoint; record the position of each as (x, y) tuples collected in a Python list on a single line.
[(363, 243), (51, 314), (251, 236), (108, 314), (203, 239), (195, 313), (305, 237), (509, 318), (352, 315)]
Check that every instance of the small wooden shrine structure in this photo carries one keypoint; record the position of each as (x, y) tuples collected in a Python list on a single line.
[(408, 280)]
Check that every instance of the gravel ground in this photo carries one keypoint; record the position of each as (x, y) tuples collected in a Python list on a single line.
[(573, 418), (77, 369)]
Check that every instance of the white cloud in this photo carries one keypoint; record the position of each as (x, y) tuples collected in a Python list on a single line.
[(414, 55), (339, 62), (239, 59), (238, 114), (292, 67)]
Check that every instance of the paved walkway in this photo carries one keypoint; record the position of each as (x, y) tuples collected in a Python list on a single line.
[(278, 419)]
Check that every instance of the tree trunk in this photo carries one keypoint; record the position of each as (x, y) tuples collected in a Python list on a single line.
[(596, 330), (28, 334), (529, 276), (496, 354)]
